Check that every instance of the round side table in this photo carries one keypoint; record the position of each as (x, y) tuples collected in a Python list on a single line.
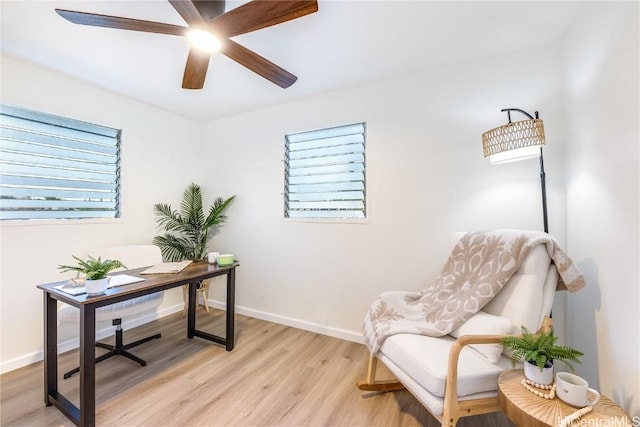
[(524, 408)]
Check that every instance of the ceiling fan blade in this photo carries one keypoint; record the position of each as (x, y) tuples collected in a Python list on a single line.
[(210, 9), (197, 11), (107, 21), (187, 10), (196, 69), (258, 64), (259, 14)]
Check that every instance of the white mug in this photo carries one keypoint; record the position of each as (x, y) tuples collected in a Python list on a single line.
[(574, 390), (212, 257)]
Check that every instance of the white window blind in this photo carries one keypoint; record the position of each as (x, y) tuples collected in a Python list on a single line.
[(325, 173), (53, 167)]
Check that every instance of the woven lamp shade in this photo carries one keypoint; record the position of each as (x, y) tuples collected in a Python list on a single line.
[(513, 136)]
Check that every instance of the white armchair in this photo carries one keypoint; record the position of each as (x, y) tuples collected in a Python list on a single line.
[(134, 256), (456, 375)]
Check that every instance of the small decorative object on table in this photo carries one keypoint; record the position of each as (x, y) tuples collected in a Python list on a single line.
[(538, 351), (569, 419), (225, 260), (95, 272), (535, 389), (212, 257), (575, 390)]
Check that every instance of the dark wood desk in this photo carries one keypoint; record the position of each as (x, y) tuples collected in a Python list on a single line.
[(85, 415)]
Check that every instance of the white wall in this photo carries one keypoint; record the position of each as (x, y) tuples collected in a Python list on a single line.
[(603, 118), (159, 151), (426, 177)]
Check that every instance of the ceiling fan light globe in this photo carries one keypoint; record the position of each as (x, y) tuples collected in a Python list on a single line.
[(203, 40)]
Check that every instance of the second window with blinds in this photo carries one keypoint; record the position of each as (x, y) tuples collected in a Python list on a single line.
[(325, 173)]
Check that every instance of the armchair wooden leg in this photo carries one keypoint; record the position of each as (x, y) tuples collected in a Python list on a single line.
[(203, 291), (206, 303), (371, 369), (185, 298), (450, 418), (370, 384), (185, 293)]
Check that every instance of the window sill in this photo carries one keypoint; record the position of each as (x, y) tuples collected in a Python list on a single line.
[(58, 222), (358, 221)]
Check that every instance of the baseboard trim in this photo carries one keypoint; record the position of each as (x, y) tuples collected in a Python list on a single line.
[(294, 323), (71, 344)]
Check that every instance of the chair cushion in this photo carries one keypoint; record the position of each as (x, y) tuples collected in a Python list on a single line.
[(485, 324), (434, 404), (425, 360), (137, 306), (521, 299)]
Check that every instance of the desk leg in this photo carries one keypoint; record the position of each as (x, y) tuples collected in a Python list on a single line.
[(231, 308), (87, 366), (50, 347), (191, 309)]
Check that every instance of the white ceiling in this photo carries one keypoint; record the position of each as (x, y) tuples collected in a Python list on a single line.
[(343, 44)]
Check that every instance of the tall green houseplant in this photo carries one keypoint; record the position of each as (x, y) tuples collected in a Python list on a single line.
[(187, 232)]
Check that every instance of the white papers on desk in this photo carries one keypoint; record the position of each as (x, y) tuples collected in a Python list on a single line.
[(76, 287), (123, 279), (167, 267)]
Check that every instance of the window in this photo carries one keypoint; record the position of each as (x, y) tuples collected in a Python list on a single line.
[(53, 167), (325, 173)]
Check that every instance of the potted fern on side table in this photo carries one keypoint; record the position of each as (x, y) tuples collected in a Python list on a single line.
[(188, 231), (538, 351)]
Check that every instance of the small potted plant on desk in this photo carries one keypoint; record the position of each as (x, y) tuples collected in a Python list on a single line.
[(95, 272), (538, 351)]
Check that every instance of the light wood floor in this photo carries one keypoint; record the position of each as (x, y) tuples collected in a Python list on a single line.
[(276, 376)]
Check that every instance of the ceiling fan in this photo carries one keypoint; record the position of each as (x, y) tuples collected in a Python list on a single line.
[(210, 29)]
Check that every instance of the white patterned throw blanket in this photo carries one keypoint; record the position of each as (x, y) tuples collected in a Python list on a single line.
[(479, 266)]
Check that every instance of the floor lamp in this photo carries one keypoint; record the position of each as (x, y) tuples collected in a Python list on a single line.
[(518, 141)]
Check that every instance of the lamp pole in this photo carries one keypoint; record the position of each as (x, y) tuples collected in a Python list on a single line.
[(543, 184)]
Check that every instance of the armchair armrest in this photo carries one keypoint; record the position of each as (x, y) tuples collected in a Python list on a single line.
[(456, 348), (451, 403)]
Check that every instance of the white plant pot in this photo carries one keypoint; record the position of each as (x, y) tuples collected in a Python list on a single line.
[(96, 287), (532, 372)]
